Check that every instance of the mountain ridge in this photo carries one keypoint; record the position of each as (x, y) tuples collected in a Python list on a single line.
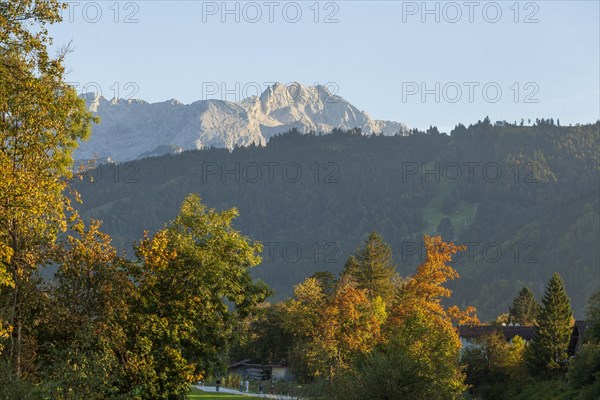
[(133, 128)]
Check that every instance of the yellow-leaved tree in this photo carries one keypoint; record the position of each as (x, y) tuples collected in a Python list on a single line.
[(41, 119), (419, 355)]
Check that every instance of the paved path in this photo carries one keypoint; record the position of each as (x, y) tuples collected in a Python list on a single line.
[(213, 389)]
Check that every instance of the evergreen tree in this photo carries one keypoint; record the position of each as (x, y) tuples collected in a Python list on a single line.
[(525, 308), (372, 268), (548, 349)]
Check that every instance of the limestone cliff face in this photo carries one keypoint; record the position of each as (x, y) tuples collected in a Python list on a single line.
[(133, 129)]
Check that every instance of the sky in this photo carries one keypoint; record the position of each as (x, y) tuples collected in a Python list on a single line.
[(420, 63)]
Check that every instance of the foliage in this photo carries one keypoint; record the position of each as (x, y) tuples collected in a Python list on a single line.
[(350, 324), (83, 339), (525, 308), (188, 271), (552, 389), (541, 211), (372, 268), (419, 361), (495, 368), (41, 119), (424, 290), (592, 333), (548, 348), (419, 352), (584, 372)]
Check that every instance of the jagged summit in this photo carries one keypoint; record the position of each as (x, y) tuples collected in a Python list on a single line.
[(133, 129)]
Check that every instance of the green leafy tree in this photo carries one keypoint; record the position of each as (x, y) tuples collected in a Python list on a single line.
[(525, 308), (41, 119), (327, 281), (584, 372), (418, 361), (188, 272), (372, 268), (83, 339), (592, 333), (548, 348), (496, 368)]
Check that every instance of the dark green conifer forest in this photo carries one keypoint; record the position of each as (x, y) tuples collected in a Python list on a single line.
[(523, 199)]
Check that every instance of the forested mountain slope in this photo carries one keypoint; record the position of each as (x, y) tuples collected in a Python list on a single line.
[(523, 198)]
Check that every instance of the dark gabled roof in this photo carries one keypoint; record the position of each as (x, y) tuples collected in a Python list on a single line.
[(509, 332), (239, 363), (526, 332)]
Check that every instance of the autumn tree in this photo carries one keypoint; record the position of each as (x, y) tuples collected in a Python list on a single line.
[(82, 341), (372, 268), (350, 325), (418, 356), (302, 315), (328, 331), (41, 119), (424, 290), (525, 308), (418, 361), (188, 272), (548, 348), (495, 367)]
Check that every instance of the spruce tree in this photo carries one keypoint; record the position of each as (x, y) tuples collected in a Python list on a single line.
[(548, 350), (525, 308), (372, 268)]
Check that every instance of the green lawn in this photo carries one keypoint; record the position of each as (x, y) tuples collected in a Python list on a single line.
[(198, 394)]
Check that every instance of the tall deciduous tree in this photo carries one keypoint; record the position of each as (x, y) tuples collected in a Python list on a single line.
[(350, 325), (41, 119), (419, 360), (424, 290), (82, 339), (548, 349), (525, 308), (188, 272)]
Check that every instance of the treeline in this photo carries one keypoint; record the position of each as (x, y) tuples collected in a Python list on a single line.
[(523, 199), (367, 333)]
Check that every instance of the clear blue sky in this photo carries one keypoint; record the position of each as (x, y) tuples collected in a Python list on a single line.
[(376, 54)]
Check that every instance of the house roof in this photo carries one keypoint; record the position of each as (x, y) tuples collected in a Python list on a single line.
[(525, 331), (239, 363)]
